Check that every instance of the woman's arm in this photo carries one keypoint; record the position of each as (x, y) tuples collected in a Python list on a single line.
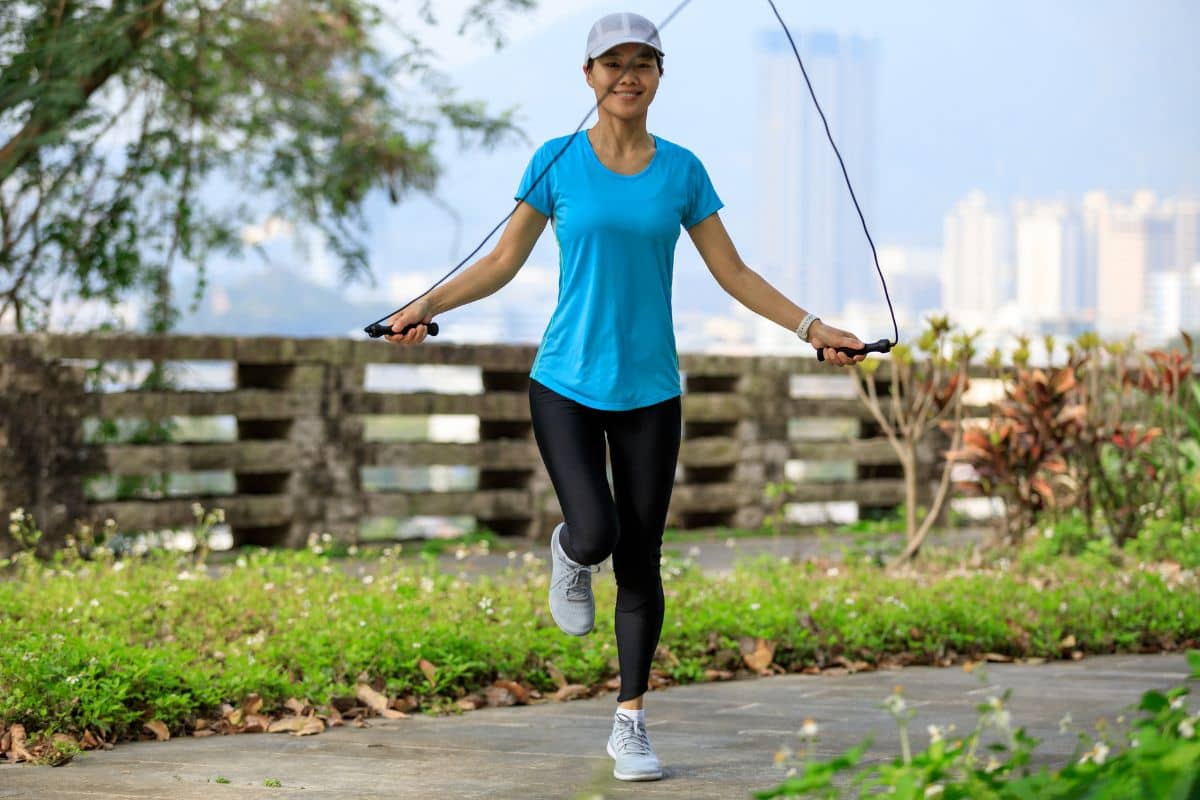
[(751, 290), (485, 276)]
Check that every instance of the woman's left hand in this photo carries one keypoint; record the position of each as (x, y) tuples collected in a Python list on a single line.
[(826, 337)]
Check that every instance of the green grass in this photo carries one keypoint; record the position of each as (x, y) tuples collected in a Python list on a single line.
[(108, 646)]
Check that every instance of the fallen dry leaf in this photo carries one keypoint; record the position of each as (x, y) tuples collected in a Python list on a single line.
[(760, 658), (159, 730), (90, 741), (16, 745), (405, 703), (718, 674), (998, 658), (203, 733), (519, 692), (287, 725), (372, 699), (312, 725), (297, 707), (470, 702), (570, 692), (1068, 642), (252, 704), (391, 713), (499, 696), (256, 723), (430, 671)]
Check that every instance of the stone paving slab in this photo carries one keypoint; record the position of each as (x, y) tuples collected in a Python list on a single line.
[(715, 740)]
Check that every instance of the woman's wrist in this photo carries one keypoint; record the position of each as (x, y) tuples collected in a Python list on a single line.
[(805, 329)]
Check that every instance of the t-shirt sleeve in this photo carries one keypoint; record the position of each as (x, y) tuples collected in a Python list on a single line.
[(702, 197), (542, 196)]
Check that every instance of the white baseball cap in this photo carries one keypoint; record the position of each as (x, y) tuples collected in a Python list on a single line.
[(623, 28)]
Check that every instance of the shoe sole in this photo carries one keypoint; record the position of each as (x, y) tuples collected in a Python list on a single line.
[(631, 776), (551, 592)]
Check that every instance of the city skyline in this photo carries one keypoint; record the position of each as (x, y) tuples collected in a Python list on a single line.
[(938, 127)]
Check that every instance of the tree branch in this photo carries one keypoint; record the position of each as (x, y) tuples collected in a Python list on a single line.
[(45, 118)]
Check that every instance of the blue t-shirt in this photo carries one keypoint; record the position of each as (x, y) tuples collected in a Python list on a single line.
[(610, 343)]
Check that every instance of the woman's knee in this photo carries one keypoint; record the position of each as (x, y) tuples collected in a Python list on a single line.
[(590, 541)]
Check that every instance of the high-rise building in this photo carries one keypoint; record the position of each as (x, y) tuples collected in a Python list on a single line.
[(1048, 260), (976, 259), (811, 237), (1133, 242)]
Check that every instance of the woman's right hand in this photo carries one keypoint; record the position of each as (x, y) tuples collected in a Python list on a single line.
[(416, 312)]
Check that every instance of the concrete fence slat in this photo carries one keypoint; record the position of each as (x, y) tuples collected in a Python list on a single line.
[(143, 459), (241, 403), (177, 512)]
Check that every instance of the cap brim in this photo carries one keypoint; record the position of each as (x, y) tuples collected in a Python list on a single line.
[(599, 51)]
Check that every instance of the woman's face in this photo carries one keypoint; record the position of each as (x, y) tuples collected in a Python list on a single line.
[(633, 92)]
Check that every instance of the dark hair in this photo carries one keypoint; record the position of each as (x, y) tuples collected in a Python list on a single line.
[(657, 59)]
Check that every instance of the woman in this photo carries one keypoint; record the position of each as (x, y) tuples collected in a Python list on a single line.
[(607, 367)]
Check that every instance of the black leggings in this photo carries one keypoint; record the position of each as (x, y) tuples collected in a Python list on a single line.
[(644, 447)]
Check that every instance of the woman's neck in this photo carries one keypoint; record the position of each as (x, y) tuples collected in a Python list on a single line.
[(621, 137)]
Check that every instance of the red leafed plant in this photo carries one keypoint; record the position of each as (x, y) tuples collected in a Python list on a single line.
[(1023, 453)]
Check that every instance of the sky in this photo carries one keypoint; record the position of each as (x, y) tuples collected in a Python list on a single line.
[(1022, 99)]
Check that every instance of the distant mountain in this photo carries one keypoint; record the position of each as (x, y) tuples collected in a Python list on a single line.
[(276, 302)]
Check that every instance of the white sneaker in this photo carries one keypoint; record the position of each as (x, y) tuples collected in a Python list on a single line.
[(572, 603), (630, 747)]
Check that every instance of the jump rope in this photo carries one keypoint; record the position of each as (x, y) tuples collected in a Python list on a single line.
[(381, 328)]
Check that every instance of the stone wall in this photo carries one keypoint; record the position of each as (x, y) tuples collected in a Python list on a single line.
[(301, 406)]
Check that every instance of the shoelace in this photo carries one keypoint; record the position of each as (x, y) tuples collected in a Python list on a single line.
[(576, 590), (632, 737)]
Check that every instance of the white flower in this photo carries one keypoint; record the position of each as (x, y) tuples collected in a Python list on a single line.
[(1177, 703), (416, 645), (368, 580), (936, 734), (1187, 728), (17, 515), (1064, 723), (992, 765), (485, 604), (832, 572), (426, 584), (755, 606), (94, 603), (895, 703), (197, 510), (730, 543), (934, 790), (1048, 533), (849, 601), (1098, 753), (809, 728)]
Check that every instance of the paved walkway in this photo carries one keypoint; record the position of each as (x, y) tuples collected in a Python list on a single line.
[(715, 740)]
